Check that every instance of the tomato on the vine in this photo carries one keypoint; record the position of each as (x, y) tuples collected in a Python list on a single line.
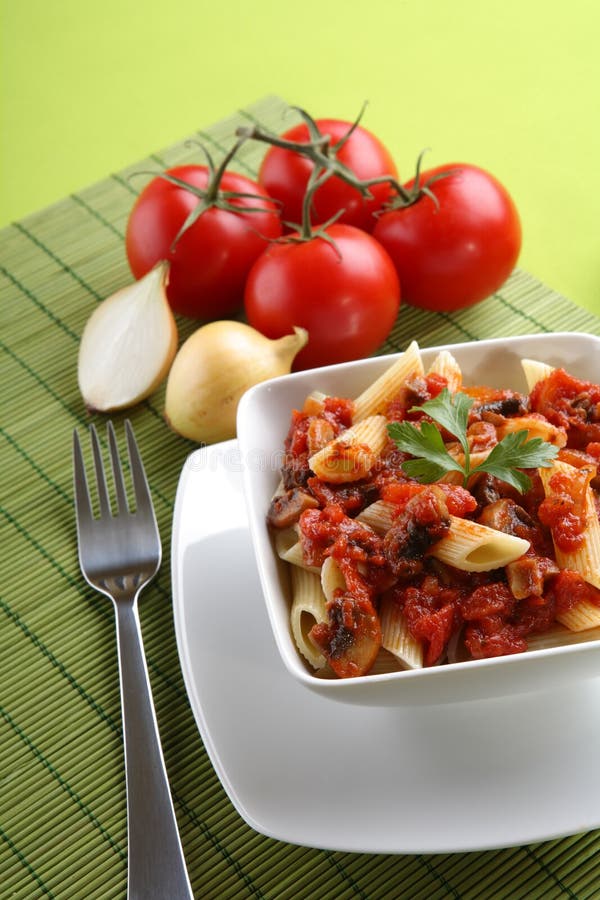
[(341, 287), (284, 175), (210, 260), (454, 252)]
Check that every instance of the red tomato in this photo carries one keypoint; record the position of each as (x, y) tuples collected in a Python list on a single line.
[(347, 298), (458, 253), (210, 261), (284, 175)]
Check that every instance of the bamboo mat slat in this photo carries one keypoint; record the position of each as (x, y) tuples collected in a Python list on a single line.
[(62, 805)]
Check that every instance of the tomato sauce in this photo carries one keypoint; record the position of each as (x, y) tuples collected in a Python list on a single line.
[(564, 512), (330, 532), (454, 614), (568, 402), (460, 502), (569, 589), (418, 390)]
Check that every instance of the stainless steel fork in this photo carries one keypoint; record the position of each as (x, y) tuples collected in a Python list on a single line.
[(119, 554)]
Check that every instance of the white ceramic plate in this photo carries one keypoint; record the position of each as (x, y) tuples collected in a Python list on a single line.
[(303, 769)]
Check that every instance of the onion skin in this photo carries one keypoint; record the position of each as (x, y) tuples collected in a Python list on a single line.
[(214, 367)]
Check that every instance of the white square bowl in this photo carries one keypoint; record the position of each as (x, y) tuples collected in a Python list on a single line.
[(263, 421)]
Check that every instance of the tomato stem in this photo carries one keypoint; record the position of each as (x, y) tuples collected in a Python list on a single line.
[(351, 130), (213, 190), (418, 190), (212, 195), (322, 153), (316, 179)]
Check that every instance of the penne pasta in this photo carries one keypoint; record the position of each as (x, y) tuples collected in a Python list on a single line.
[(351, 455), (535, 371), (308, 609), (476, 548), (396, 638), (378, 516), (376, 397), (469, 546), (585, 560), (560, 636), (314, 403), (582, 617), (332, 578), (385, 663), (289, 548), (445, 365), (536, 427), (285, 538)]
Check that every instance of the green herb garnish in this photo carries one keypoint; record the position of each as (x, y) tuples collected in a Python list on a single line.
[(432, 460)]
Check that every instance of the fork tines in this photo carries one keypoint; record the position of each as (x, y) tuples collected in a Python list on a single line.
[(143, 500)]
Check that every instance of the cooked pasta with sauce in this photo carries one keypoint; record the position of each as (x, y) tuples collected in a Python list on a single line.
[(399, 564)]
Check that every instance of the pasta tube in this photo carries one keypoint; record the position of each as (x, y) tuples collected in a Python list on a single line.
[(560, 636), (585, 560), (289, 548), (332, 578), (314, 403), (476, 548), (351, 455), (396, 638), (385, 663), (375, 398), (308, 609), (468, 546), (535, 371), (536, 427), (378, 516), (445, 365)]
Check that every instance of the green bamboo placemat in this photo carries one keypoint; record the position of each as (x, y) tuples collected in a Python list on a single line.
[(62, 805)]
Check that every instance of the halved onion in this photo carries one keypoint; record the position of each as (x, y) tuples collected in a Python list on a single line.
[(128, 344)]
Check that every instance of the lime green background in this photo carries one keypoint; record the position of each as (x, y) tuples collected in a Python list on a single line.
[(511, 85)]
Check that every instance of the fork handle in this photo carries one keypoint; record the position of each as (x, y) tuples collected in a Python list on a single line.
[(156, 865)]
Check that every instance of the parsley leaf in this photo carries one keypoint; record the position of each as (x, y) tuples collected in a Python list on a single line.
[(451, 411), (515, 452), (432, 460)]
